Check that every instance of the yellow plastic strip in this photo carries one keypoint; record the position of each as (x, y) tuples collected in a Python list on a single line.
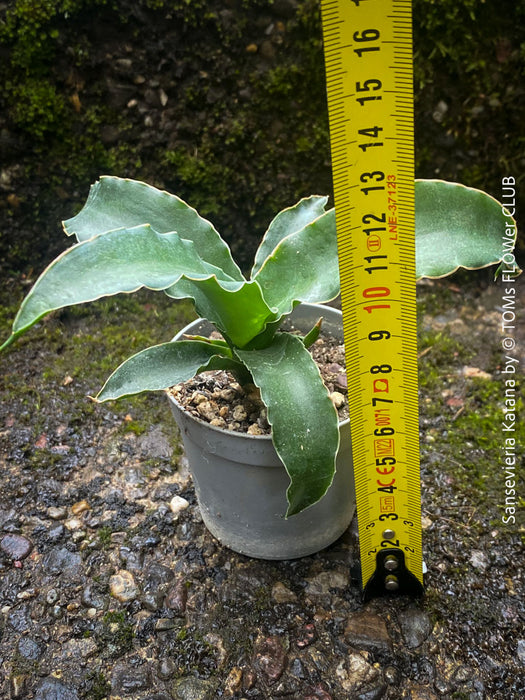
[(368, 55)]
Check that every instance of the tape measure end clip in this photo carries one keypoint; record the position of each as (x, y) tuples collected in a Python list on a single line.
[(392, 576)]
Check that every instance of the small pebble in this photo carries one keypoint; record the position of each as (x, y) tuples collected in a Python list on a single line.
[(29, 649), (521, 651), (306, 635), (164, 624), (73, 524), (16, 547), (233, 682), (80, 507), (57, 513), (178, 504), (479, 559), (166, 669), (227, 394), (177, 597), (191, 688), (52, 688), (415, 625), (218, 422), (208, 410), (270, 657), (52, 596), (239, 413), (122, 586), (366, 630), (326, 582), (342, 381), (282, 594), (337, 399), (78, 535)]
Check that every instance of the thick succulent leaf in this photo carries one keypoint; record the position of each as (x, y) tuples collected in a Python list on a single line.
[(303, 267), (237, 309), (119, 261), (120, 203), (161, 366), (304, 421), (286, 222), (456, 226)]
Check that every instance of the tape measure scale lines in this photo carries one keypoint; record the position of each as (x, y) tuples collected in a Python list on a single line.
[(368, 57)]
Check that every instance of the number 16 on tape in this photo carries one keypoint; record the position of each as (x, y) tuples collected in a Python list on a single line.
[(368, 56)]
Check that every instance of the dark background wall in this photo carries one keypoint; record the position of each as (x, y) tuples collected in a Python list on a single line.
[(224, 104)]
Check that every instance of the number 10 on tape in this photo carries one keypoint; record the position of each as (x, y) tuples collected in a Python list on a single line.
[(368, 56)]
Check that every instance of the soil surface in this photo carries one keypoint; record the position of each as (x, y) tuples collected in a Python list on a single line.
[(111, 587), (219, 399)]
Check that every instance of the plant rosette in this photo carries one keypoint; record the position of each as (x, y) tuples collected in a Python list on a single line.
[(131, 235)]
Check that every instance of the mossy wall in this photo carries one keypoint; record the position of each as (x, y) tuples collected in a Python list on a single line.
[(224, 104)]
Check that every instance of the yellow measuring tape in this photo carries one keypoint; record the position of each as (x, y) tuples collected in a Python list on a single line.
[(368, 55)]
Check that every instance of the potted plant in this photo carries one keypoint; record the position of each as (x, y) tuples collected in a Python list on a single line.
[(131, 235)]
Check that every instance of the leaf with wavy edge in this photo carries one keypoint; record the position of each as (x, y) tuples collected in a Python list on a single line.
[(286, 222), (119, 261), (456, 226), (303, 267), (304, 422), (115, 203), (125, 260), (160, 366), (239, 310)]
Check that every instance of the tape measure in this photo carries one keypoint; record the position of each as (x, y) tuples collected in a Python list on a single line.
[(368, 56)]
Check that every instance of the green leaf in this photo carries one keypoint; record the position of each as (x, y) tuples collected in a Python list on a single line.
[(304, 422), (237, 309), (303, 267), (119, 261), (456, 226), (221, 345), (312, 335), (161, 366), (115, 203), (286, 222)]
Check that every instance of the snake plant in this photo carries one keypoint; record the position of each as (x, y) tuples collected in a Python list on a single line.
[(130, 235)]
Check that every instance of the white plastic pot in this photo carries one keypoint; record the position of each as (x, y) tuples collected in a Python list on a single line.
[(241, 483)]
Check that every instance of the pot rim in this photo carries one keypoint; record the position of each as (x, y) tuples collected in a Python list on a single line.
[(236, 433)]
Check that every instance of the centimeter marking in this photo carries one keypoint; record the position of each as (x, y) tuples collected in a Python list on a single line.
[(368, 56)]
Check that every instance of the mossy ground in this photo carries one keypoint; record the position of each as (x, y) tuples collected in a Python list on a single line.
[(86, 345), (462, 398)]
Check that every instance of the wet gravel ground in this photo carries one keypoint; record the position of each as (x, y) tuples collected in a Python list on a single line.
[(111, 587)]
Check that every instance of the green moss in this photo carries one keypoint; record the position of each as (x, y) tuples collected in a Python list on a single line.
[(104, 536), (44, 459), (135, 427), (100, 687), (37, 107), (116, 633)]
